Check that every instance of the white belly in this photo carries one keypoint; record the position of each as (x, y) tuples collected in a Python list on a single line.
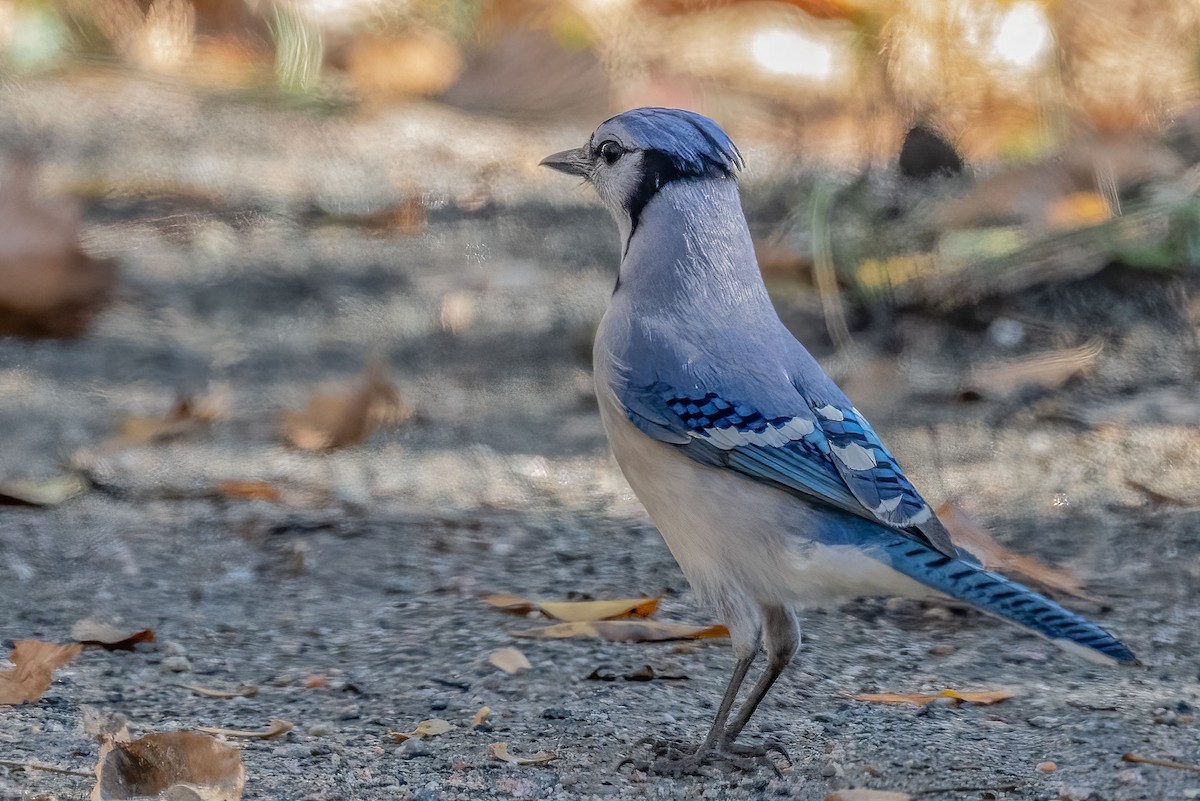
[(737, 540)]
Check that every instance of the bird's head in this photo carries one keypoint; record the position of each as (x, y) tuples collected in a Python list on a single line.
[(631, 156)]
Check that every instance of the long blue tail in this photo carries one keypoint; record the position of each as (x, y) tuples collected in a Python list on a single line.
[(993, 593)]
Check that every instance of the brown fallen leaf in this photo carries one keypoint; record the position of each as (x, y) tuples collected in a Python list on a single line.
[(45, 492), (180, 420), (241, 691), (277, 728), (862, 794), (337, 419), (48, 286), (1045, 371), (968, 533), (500, 751), (34, 664), (1154, 495), (175, 765), (510, 660), (388, 67), (1160, 763), (575, 611), (625, 631), (643, 673), (249, 491), (426, 728), (110, 638), (19, 765), (921, 699), (481, 717)]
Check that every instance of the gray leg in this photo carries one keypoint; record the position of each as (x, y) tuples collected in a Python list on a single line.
[(781, 638), (716, 734), (745, 632)]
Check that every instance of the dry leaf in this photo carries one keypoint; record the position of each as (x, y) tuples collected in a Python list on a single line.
[(576, 611), (249, 491), (1078, 210), (110, 638), (277, 729), (176, 764), (862, 794), (626, 631), (921, 699), (481, 716), (181, 419), (966, 532), (500, 751), (423, 63), (510, 660), (1161, 763), (426, 728), (241, 691), (1046, 371), (44, 492), (409, 217), (34, 665), (1154, 495), (48, 286), (337, 419)]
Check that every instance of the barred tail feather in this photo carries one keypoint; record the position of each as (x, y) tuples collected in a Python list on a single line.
[(993, 593)]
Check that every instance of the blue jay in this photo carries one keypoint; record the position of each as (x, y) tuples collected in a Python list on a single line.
[(771, 490)]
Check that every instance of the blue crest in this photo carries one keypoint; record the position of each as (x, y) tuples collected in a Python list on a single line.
[(695, 145)]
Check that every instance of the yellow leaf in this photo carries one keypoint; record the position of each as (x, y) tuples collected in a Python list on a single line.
[(426, 728), (576, 611), (276, 729), (1078, 210), (34, 665), (510, 660), (481, 716), (921, 699), (248, 491), (625, 631), (500, 751), (47, 492)]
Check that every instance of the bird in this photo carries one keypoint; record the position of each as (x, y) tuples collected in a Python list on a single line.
[(770, 489)]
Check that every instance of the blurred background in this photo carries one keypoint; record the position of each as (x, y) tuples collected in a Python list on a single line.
[(295, 334)]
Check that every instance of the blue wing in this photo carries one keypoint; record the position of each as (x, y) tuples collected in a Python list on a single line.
[(823, 452)]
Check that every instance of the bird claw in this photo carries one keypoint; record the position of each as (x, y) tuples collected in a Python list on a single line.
[(674, 758)]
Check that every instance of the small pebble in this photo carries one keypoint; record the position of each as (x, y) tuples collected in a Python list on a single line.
[(942, 650), (176, 664), (1129, 776), (320, 730), (1043, 722), (1046, 767)]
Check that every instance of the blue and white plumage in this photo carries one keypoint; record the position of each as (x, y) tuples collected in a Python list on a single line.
[(769, 487)]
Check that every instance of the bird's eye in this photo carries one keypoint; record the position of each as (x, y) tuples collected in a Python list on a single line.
[(610, 151)]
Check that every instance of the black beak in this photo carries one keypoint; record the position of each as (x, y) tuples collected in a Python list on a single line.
[(572, 162)]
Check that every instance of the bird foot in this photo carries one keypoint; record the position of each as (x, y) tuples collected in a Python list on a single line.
[(676, 758)]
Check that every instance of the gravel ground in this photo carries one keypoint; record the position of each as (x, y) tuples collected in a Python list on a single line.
[(371, 570)]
